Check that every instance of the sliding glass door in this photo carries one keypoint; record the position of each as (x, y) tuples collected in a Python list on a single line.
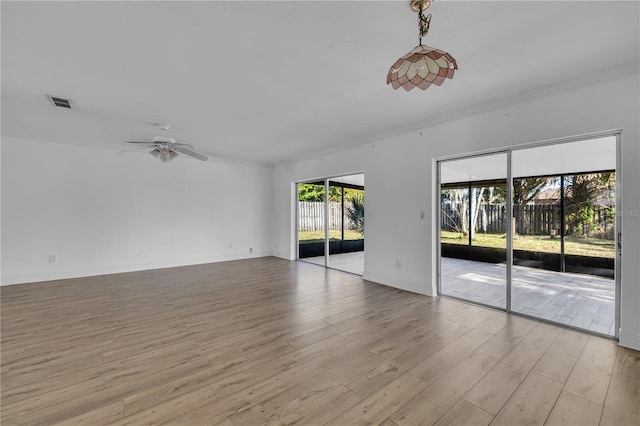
[(533, 231), (346, 218), (311, 222), (564, 203), (473, 246), (330, 222)]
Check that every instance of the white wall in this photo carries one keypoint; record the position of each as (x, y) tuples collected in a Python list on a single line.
[(102, 212), (400, 177)]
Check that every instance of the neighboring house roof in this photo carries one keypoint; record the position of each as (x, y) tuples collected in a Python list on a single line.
[(547, 197), (551, 196)]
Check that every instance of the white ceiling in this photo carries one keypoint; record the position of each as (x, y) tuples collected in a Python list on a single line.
[(272, 81)]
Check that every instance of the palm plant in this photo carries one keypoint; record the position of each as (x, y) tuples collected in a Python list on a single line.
[(355, 212)]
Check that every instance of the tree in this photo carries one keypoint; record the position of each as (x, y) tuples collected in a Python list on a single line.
[(315, 192), (583, 194), (355, 212), (524, 191), (458, 199)]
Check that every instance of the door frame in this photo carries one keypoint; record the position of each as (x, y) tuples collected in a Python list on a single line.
[(509, 258)]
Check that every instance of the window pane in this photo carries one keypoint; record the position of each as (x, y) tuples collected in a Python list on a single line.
[(564, 222), (473, 229), (311, 238)]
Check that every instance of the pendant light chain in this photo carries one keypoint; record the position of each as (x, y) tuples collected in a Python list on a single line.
[(423, 25)]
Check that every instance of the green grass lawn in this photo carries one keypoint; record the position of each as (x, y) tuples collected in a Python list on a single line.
[(315, 236), (541, 243)]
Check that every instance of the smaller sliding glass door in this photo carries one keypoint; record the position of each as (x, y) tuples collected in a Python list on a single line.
[(311, 222), (346, 224), (330, 222)]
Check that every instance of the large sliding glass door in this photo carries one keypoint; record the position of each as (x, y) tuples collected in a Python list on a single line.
[(533, 231)]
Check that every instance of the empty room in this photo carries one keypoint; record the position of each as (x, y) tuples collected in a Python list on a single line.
[(186, 187)]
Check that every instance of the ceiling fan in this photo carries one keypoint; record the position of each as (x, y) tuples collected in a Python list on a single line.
[(166, 148)]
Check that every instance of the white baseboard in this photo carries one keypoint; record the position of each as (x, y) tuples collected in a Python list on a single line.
[(117, 269), (282, 255), (629, 340), (414, 287)]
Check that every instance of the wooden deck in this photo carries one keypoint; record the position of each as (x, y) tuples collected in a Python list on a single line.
[(578, 300), (268, 341)]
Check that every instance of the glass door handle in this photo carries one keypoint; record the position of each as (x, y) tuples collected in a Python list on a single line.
[(620, 243)]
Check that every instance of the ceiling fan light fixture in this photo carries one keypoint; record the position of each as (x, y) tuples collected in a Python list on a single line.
[(163, 153), (166, 148), (424, 65)]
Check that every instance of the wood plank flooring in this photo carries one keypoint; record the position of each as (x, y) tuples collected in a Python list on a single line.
[(348, 262), (267, 341)]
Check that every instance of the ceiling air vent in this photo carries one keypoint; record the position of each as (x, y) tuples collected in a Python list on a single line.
[(60, 102)]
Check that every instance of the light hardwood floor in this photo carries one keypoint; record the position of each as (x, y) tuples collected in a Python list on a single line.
[(267, 341), (347, 262)]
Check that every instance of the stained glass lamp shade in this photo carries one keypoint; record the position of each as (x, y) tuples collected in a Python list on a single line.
[(424, 65)]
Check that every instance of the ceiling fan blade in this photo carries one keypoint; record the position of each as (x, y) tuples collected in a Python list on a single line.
[(132, 149), (182, 144), (190, 153), (148, 143)]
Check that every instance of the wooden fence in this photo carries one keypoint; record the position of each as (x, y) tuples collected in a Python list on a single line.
[(491, 219), (311, 216), (529, 219)]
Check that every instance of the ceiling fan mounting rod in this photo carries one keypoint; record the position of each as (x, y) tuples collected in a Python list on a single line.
[(163, 139)]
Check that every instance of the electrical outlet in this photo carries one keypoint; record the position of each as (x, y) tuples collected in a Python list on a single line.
[(53, 258), (398, 264), (422, 215), (250, 249), (230, 245)]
